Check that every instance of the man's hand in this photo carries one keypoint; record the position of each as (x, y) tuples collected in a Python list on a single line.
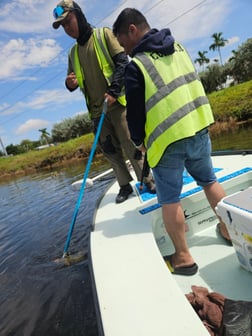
[(110, 99), (71, 81)]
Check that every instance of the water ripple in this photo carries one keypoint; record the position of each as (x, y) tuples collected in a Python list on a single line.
[(37, 296)]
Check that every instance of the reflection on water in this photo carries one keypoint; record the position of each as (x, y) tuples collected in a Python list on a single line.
[(240, 138), (39, 297)]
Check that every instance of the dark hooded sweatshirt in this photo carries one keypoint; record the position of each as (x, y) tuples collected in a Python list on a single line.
[(161, 42)]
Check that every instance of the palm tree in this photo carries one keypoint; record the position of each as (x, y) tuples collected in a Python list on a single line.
[(234, 56), (202, 58), (44, 135), (219, 42)]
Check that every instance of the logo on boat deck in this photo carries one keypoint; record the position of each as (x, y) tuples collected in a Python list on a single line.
[(196, 213), (207, 220)]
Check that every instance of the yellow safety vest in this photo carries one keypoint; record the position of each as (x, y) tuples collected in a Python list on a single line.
[(104, 59), (175, 102)]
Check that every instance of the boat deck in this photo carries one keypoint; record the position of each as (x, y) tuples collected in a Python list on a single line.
[(136, 293), (219, 269)]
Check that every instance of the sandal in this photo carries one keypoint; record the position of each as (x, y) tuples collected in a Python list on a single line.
[(182, 270)]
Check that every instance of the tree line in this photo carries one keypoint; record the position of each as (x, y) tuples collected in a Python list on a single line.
[(69, 128), (237, 69)]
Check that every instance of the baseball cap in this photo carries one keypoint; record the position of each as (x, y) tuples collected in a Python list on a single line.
[(61, 11)]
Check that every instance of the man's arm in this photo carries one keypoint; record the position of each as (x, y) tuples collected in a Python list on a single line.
[(120, 60), (135, 96)]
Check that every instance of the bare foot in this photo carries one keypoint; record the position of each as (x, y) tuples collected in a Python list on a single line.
[(224, 231), (182, 260)]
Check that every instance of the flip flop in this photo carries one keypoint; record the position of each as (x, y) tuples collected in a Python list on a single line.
[(218, 230), (183, 270)]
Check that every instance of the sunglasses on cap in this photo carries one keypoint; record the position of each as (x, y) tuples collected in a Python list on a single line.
[(59, 10)]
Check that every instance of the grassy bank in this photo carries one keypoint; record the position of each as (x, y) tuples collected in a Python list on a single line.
[(230, 106), (56, 156), (233, 103)]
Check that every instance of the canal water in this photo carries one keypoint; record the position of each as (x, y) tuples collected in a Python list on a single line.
[(235, 139), (39, 297)]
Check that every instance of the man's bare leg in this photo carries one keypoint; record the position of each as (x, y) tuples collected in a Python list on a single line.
[(174, 219), (215, 193)]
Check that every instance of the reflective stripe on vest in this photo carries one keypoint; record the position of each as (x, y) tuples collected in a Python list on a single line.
[(175, 101), (105, 61), (77, 67)]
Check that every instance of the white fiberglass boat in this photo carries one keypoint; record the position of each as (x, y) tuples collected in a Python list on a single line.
[(135, 291)]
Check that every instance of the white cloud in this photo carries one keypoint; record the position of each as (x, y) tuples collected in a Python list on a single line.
[(26, 16), (233, 40), (80, 113), (18, 55), (42, 99), (31, 124)]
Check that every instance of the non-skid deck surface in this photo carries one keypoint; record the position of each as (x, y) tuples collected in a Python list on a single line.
[(187, 182), (146, 196)]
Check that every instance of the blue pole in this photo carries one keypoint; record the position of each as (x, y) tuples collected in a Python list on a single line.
[(105, 105)]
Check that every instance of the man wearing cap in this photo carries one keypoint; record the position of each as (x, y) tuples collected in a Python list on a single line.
[(96, 65)]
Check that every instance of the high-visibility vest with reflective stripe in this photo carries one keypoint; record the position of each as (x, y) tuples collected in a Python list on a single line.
[(175, 102), (105, 61)]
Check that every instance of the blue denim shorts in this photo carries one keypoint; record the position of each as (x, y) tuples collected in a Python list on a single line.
[(192, 154)]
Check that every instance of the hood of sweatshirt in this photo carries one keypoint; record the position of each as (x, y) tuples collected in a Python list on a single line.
[(85, 28), (157, 41)]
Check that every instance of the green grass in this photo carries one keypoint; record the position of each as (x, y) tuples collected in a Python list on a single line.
[(232, 103), (74, 149), (228, 105)]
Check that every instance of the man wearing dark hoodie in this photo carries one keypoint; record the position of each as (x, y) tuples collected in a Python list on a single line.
[(96, 65), (168, 116)]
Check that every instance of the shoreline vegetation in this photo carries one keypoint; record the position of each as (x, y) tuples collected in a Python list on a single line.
[(231, 107)]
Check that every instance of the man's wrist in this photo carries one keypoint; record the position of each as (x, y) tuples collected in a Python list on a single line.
[(139, 146)]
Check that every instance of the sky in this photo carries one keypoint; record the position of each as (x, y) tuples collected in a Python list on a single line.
[(34, 55)]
